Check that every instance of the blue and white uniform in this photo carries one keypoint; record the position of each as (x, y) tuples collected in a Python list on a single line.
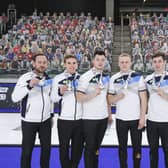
[(95, 113), (128, 111), (36, 105), (70, 109), (131, 84), (95, 108), (156, 105), (157, 118), (69, 122)]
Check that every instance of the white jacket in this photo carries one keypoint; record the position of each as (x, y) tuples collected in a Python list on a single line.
[(36, 105), (70, 109)]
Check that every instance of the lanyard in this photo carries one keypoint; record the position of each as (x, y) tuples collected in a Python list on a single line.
[(69, 83), (160, 81), (98, 81), (126, 82)]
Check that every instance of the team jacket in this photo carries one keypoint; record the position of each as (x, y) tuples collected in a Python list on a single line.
[(36, 105), (130, 84), (96, 108), (157, 106), (70, 109)]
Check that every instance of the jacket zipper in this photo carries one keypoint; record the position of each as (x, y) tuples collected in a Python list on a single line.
[(28, 108), (75, 100), (43, 103)]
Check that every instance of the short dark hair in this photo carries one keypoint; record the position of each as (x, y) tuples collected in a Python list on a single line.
[(38, 54), (159, 54), (69, 56), (98, 51)]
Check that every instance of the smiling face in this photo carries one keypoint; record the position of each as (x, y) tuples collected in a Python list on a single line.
[(40, 64), (71, 65)]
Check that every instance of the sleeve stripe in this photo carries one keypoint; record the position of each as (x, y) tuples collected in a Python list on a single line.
[(142, 90), (111, 93), (81, 91)]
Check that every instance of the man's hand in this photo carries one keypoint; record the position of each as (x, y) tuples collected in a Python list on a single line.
[(141, 123), (161, 93), (63, 89), (34, 82), (97, 91), (120, 96), (110, 119)]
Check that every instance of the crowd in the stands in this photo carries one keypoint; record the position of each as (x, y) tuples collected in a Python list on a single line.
[(149, 34), (56, 35)]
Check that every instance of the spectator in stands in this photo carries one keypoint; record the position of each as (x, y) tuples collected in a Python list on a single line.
[(138, 66), (152, 32), (79, 55), (128, 86), (3, 41), (108, 54), (4, 64), (10, 55), (148, 66), (136, 53), (65, 32), (34, 47), (133, 23), (25, 63), (33, 91), (85, 64), (15, 64), (157, 119), (25, 48), (55, 64), (141, 21), (107, 66), (69, 120), (1, 26), (49, 54), (135, 37), (164, 48), (2, 56), (59, 55), (4, 22)]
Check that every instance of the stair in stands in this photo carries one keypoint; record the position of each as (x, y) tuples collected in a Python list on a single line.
[(122, 43)]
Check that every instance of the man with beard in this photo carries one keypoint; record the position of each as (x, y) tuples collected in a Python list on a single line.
[(33, 91)]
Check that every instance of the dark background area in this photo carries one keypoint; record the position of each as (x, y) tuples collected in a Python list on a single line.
[(141, 3), (96, 7)]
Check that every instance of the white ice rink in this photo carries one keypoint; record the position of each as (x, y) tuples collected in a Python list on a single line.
[(11, 133)]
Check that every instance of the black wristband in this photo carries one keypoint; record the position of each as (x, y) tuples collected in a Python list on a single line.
[(29, 87), (52, 115), (59, 93)]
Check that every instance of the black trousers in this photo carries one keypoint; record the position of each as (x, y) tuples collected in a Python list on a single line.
[(93, 131), (70, 131), (156, 130), (29, 131), (136, 137)]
